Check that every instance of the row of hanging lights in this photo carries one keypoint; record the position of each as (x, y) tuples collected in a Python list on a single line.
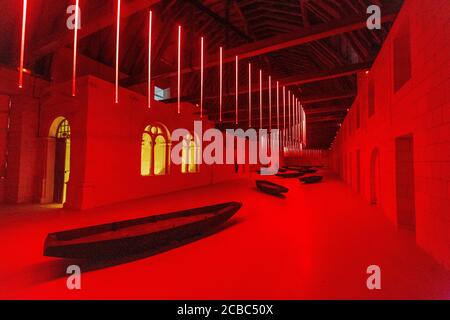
[(295, 131)]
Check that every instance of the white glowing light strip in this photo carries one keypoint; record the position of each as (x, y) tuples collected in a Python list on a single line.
[(149, 89), (289, 108), (221, 83), (237, 89), (179, 69), (278, 105), (249, 94), (75, 45), (202, 66), (117, 51), (270, 102), (22, 43), (284, 107), (284, 116), (260, 100)]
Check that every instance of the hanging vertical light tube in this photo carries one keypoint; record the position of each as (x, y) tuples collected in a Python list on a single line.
[(260, 100), (289, 109), (304, 127), (249, 95), (237, 89), (301, 124), (117, 51), (296, 120), (220, 82), (284, 111), (284, 116), (149, 88), (179, 69), (278, 105), (294, 104), (22, 43), (75, 48), (202, 66), (270, 103), (292, 114)]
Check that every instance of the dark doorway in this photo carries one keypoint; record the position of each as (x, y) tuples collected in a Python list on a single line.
[(375, 179), (60, 168), (358, 170), (404, 160)]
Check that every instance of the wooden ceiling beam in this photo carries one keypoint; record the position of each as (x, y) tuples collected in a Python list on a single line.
[(221, 20), (311, 77), (102, 19), (276, 43)]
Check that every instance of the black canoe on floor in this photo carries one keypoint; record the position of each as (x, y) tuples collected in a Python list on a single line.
[(288, 174), (134, 236), (311, 179), (309, 171), (270, 187), (303, 171)]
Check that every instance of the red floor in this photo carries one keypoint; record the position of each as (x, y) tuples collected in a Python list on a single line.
[(315, 244)]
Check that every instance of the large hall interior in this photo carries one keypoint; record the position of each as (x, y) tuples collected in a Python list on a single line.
[(225, 149)]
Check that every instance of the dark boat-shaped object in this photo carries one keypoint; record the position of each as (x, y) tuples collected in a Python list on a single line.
[(270, 187), (311, 179), (138, 235), (309, 171), (299, 168), (290, 174)]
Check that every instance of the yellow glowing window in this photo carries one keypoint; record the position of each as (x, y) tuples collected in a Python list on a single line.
[(189, 156), (154, 149), (160, 156), (146, 154)]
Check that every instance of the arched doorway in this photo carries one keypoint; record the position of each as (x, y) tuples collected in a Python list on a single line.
[(61, 170), (375, 177)]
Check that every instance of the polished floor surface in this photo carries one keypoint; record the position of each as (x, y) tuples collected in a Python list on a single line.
[(315, 244)]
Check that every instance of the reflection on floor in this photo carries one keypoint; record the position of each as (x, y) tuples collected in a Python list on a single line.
[(315, 244)]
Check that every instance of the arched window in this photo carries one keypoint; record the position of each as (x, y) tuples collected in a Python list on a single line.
[(160, 156), (63, 131), (189, 156), (154, 150), (146, 154)]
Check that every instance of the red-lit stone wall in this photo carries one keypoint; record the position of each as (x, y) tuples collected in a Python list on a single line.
[(371, 157)]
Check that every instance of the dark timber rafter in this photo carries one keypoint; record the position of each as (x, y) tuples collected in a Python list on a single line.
[(223, 21), (104, 18), (276, 43)]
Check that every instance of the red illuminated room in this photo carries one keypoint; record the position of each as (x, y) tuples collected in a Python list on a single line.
[(225, 150)]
